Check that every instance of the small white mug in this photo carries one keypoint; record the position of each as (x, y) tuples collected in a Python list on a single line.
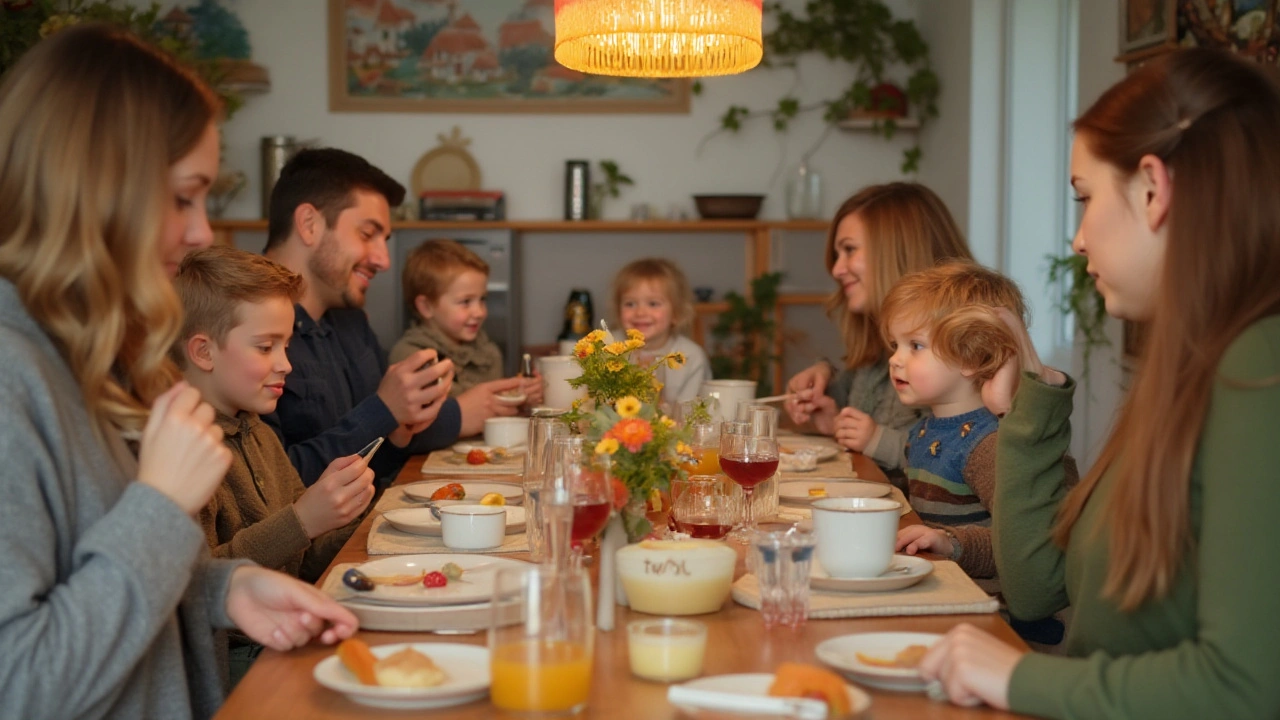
[(473, 527), (730, 393), (855, 535), (506, 432), (557, 371)]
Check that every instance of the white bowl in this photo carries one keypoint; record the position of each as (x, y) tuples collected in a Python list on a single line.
[(676, 577)]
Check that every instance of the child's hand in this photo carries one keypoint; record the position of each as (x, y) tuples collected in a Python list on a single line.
[(481, 403), (854, 429), (341, 493), (181, 453), (915, 539)]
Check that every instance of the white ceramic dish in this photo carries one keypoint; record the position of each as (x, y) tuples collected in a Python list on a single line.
[(789, 446), (512, 399), (421, 491), (797, 491), (747, 694), (906, 570), (463, 448), (467, 667), (420, 521), (841, 653), (476, 584)]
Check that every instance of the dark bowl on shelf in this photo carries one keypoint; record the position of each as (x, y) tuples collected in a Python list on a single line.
[(728, 207)]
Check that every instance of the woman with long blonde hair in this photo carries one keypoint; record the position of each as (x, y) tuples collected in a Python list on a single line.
[(880, 234), (107, 595), (1167, 550)]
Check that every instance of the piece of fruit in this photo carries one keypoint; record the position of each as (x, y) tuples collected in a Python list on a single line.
[(452, 491), (818, 491), (357, 580), (434, 580), (477, 457), (359, 659), (453, 571), (801, 680), (493, 499)]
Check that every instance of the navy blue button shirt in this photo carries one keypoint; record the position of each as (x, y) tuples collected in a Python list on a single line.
[(330, 405)]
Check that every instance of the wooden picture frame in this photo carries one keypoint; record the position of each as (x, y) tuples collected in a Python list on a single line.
[(1246, 27), (1147, 28), (470, 56)]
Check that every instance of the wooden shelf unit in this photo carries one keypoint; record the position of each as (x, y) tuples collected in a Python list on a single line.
[(758, 234)]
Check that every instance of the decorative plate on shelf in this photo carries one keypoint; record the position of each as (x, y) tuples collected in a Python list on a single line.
[(446, 167)]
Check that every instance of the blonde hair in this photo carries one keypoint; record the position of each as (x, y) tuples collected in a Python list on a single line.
[(1211, 118), (214, 282), (673, 281), (954, 302), (91, 119), (432, 266), (908, 228)]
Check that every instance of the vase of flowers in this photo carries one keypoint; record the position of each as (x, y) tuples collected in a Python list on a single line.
[(621, 418)]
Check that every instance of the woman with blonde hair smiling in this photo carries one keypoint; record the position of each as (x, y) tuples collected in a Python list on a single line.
[(107, 595), (1167, 550), (880, 234)]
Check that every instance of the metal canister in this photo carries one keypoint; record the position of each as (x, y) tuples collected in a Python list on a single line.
[(577, 186), (276, 151)]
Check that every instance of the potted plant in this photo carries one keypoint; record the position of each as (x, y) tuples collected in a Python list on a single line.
[(1080, 300), (864, 34), (744, 335), (611, 186)]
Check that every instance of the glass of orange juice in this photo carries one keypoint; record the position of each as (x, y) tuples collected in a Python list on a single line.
[(541, 666)]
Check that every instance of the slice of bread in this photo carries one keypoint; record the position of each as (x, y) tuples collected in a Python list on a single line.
[(409, 669)]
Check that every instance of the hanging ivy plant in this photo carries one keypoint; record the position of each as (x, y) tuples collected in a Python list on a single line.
[(1081, 300), (864, 34)]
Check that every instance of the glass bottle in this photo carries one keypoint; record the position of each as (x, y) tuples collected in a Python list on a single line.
[(804, 193), (578, 316)]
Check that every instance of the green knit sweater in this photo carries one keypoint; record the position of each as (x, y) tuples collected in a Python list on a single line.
[(1211, 647)]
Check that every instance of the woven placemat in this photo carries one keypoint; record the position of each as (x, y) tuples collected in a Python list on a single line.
[(446, 462), (947, 591), (386, 540), (792, 513)]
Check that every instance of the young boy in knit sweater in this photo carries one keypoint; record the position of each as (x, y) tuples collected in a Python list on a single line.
[(239, 318)]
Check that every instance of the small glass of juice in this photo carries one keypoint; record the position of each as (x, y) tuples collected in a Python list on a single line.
[(541, 666), (666, 650)]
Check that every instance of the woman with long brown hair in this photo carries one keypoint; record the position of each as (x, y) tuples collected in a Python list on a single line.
[(1167, 549), (880, 234), (107, 595)]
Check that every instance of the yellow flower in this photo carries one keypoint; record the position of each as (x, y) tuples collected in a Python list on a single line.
[(628, 406), (634, 344), (667, 422), (683, 449), (583, 348), (634, 334), (616, 348), (594, 336), (614, 365), (675, 360), (657, 386), (607, 446)]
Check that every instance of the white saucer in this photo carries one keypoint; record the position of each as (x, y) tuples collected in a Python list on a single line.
[(797, 491), (421, 491), (906, 570), (511, 399), (747, 694), (841, 654), (825, 451), (467, 667), (420, 521)]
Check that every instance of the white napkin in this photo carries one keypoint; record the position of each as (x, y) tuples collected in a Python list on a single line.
[(801, 708)]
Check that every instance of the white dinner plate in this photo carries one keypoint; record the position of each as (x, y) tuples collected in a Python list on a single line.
[(797, 491), (475, 585), (512, 493), (463, 448), (826, 451), (420, 521), (466, 668), (841, 653), (755, 687), (906, 570)]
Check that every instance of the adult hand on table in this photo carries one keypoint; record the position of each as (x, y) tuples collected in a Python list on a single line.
[(282, 612), (854, 429), (181, 453), (972, 667), (997, 393), (808, 389)]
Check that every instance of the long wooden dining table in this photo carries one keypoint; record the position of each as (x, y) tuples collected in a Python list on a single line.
[(280, 685)]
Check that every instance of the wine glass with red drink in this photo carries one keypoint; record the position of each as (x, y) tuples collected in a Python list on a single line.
[(578, 487), (748, 459)]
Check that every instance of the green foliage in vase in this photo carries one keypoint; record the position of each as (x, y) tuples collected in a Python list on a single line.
[(743, 336), (1081, 300)]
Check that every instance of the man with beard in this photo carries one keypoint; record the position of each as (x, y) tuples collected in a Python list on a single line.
[(330, 220)]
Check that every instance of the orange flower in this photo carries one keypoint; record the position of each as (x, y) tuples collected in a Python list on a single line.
[(633, 433), (621, 495)]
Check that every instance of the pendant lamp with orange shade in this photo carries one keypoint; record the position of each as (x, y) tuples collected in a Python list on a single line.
[(659, 38)]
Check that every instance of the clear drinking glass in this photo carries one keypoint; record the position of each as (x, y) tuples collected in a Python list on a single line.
[(542, 664), (579, 480), (702, 507), (748, 459), (537, 464), (780, 561), (763, 419)]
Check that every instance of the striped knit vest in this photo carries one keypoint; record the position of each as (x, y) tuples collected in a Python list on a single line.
[(937, 452)]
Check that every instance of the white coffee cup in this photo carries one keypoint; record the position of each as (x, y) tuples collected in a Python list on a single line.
[(557, 371), (473, 527), (855, 535), (730, 393), (506, 432)]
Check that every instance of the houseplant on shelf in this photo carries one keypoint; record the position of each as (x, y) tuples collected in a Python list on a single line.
[(1081, 300), (864, 34), (743, 336), (624, 422)]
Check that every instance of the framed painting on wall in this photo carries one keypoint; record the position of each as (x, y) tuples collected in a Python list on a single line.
[(471, 56), (1246, 27), (1147, 27)]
